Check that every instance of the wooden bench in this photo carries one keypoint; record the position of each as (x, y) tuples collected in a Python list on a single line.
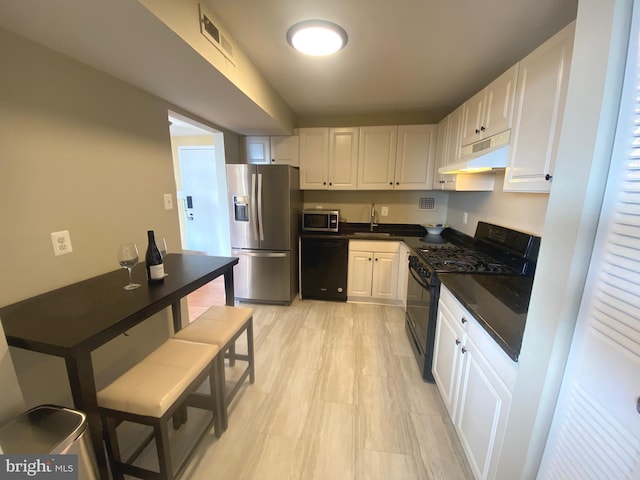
[(152, 391)]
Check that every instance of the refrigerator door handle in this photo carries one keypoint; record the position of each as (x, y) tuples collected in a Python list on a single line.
[(264, 254), (260, 207), (254, 216)]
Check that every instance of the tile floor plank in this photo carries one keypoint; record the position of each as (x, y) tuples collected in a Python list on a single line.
[(338, 395)]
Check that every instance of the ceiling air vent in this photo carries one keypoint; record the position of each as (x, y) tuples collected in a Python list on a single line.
[(212, 32)]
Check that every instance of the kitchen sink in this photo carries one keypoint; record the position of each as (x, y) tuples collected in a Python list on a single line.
[(372, 234)]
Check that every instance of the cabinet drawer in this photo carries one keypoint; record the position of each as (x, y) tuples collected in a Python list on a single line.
[(381, 246)]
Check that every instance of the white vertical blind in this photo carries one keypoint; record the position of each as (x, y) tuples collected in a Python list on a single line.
[(596, 428)]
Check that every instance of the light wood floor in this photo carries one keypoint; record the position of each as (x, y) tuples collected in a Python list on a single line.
[(337, 396)]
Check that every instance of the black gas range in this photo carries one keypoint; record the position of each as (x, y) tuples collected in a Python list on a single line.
[(493, 250)]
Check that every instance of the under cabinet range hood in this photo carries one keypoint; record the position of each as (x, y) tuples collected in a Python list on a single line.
[(488, 154)]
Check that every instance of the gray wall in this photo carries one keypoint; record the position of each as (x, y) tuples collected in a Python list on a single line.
[(84, 152)]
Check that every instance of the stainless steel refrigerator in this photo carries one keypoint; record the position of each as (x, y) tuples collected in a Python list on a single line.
[(265, 204)]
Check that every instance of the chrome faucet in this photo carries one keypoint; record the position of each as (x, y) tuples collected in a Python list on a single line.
[(373, 217)]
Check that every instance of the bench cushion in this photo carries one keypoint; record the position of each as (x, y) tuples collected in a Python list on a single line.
[(216, 326), (153, 385)]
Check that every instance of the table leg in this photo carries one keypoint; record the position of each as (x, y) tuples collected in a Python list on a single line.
[(176, 311), (83, 390), (228, 288), (180, 417)]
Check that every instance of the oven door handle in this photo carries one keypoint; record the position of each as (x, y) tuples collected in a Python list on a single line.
[(418, 279)]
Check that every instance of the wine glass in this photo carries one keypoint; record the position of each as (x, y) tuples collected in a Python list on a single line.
[(161, 243), (128, 258)]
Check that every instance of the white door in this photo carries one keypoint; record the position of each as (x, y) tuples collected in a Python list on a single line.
[(204, 201), (595, 432)]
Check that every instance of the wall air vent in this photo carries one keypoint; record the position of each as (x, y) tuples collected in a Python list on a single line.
[(212, 32)]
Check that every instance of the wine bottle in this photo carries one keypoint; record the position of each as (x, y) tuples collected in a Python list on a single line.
[(155, 267)]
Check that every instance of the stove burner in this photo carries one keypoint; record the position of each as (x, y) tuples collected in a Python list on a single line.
[(455, 259)]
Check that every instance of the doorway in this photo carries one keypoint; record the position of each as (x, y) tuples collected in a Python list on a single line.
[(199, 169)]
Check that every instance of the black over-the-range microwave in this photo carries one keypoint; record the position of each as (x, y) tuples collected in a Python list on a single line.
[(320, 220)]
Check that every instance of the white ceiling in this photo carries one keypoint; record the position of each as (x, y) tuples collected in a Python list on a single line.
[(402, 55), (422, 56)]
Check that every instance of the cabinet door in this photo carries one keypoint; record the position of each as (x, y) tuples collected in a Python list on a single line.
[(453, 145), (499, 102), (540, 97), (442, 138), (483, 412), (285, 151), (314, 158), (343, 158), (376, 157), (257, 150), (447, 356), (359, 274), (385, 276), (472, 118), (415, 157), (455, 132)]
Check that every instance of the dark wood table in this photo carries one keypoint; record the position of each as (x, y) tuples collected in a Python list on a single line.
[(72, 321)]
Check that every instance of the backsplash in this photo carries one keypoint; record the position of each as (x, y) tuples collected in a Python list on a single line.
[(413, 207), (525, 212)]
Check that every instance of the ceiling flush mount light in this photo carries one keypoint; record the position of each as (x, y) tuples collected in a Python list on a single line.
[(317, 37)]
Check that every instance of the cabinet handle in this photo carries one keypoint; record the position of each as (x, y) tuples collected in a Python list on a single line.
[(638, 405), (369, 258), (273, 160), (330, 183), (324, 183), (463, 320), (464, 350), (548, 177), (390, 183), (482, 129), (458, 342), (477, 131)]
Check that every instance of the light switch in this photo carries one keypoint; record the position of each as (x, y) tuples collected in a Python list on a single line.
[(168, 201), (384, 211)]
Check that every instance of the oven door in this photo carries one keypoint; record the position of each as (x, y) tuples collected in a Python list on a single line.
[(421, 310)]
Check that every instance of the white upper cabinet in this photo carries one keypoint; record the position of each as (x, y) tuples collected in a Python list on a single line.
[(448, 152), (455, 136), (376, 157), (490, 111), (257, 149), (343, 158), (278, 150), (328, 158), (285, 150), (397, 157), (442, 138), (540, 98), (415, 157), (314, 158), (368, 158)]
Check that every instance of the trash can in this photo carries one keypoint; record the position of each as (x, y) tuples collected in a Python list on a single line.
[(53, 430)]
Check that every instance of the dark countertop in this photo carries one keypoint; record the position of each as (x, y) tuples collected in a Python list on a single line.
[(410, 234), (498, 302)]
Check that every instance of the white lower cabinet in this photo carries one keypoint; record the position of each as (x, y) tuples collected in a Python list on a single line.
[(373, 271), (475, 379)]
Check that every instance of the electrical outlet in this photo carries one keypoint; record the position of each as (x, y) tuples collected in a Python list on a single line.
[(465, 217), (168, 201), (61, 242), (384, 211)]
